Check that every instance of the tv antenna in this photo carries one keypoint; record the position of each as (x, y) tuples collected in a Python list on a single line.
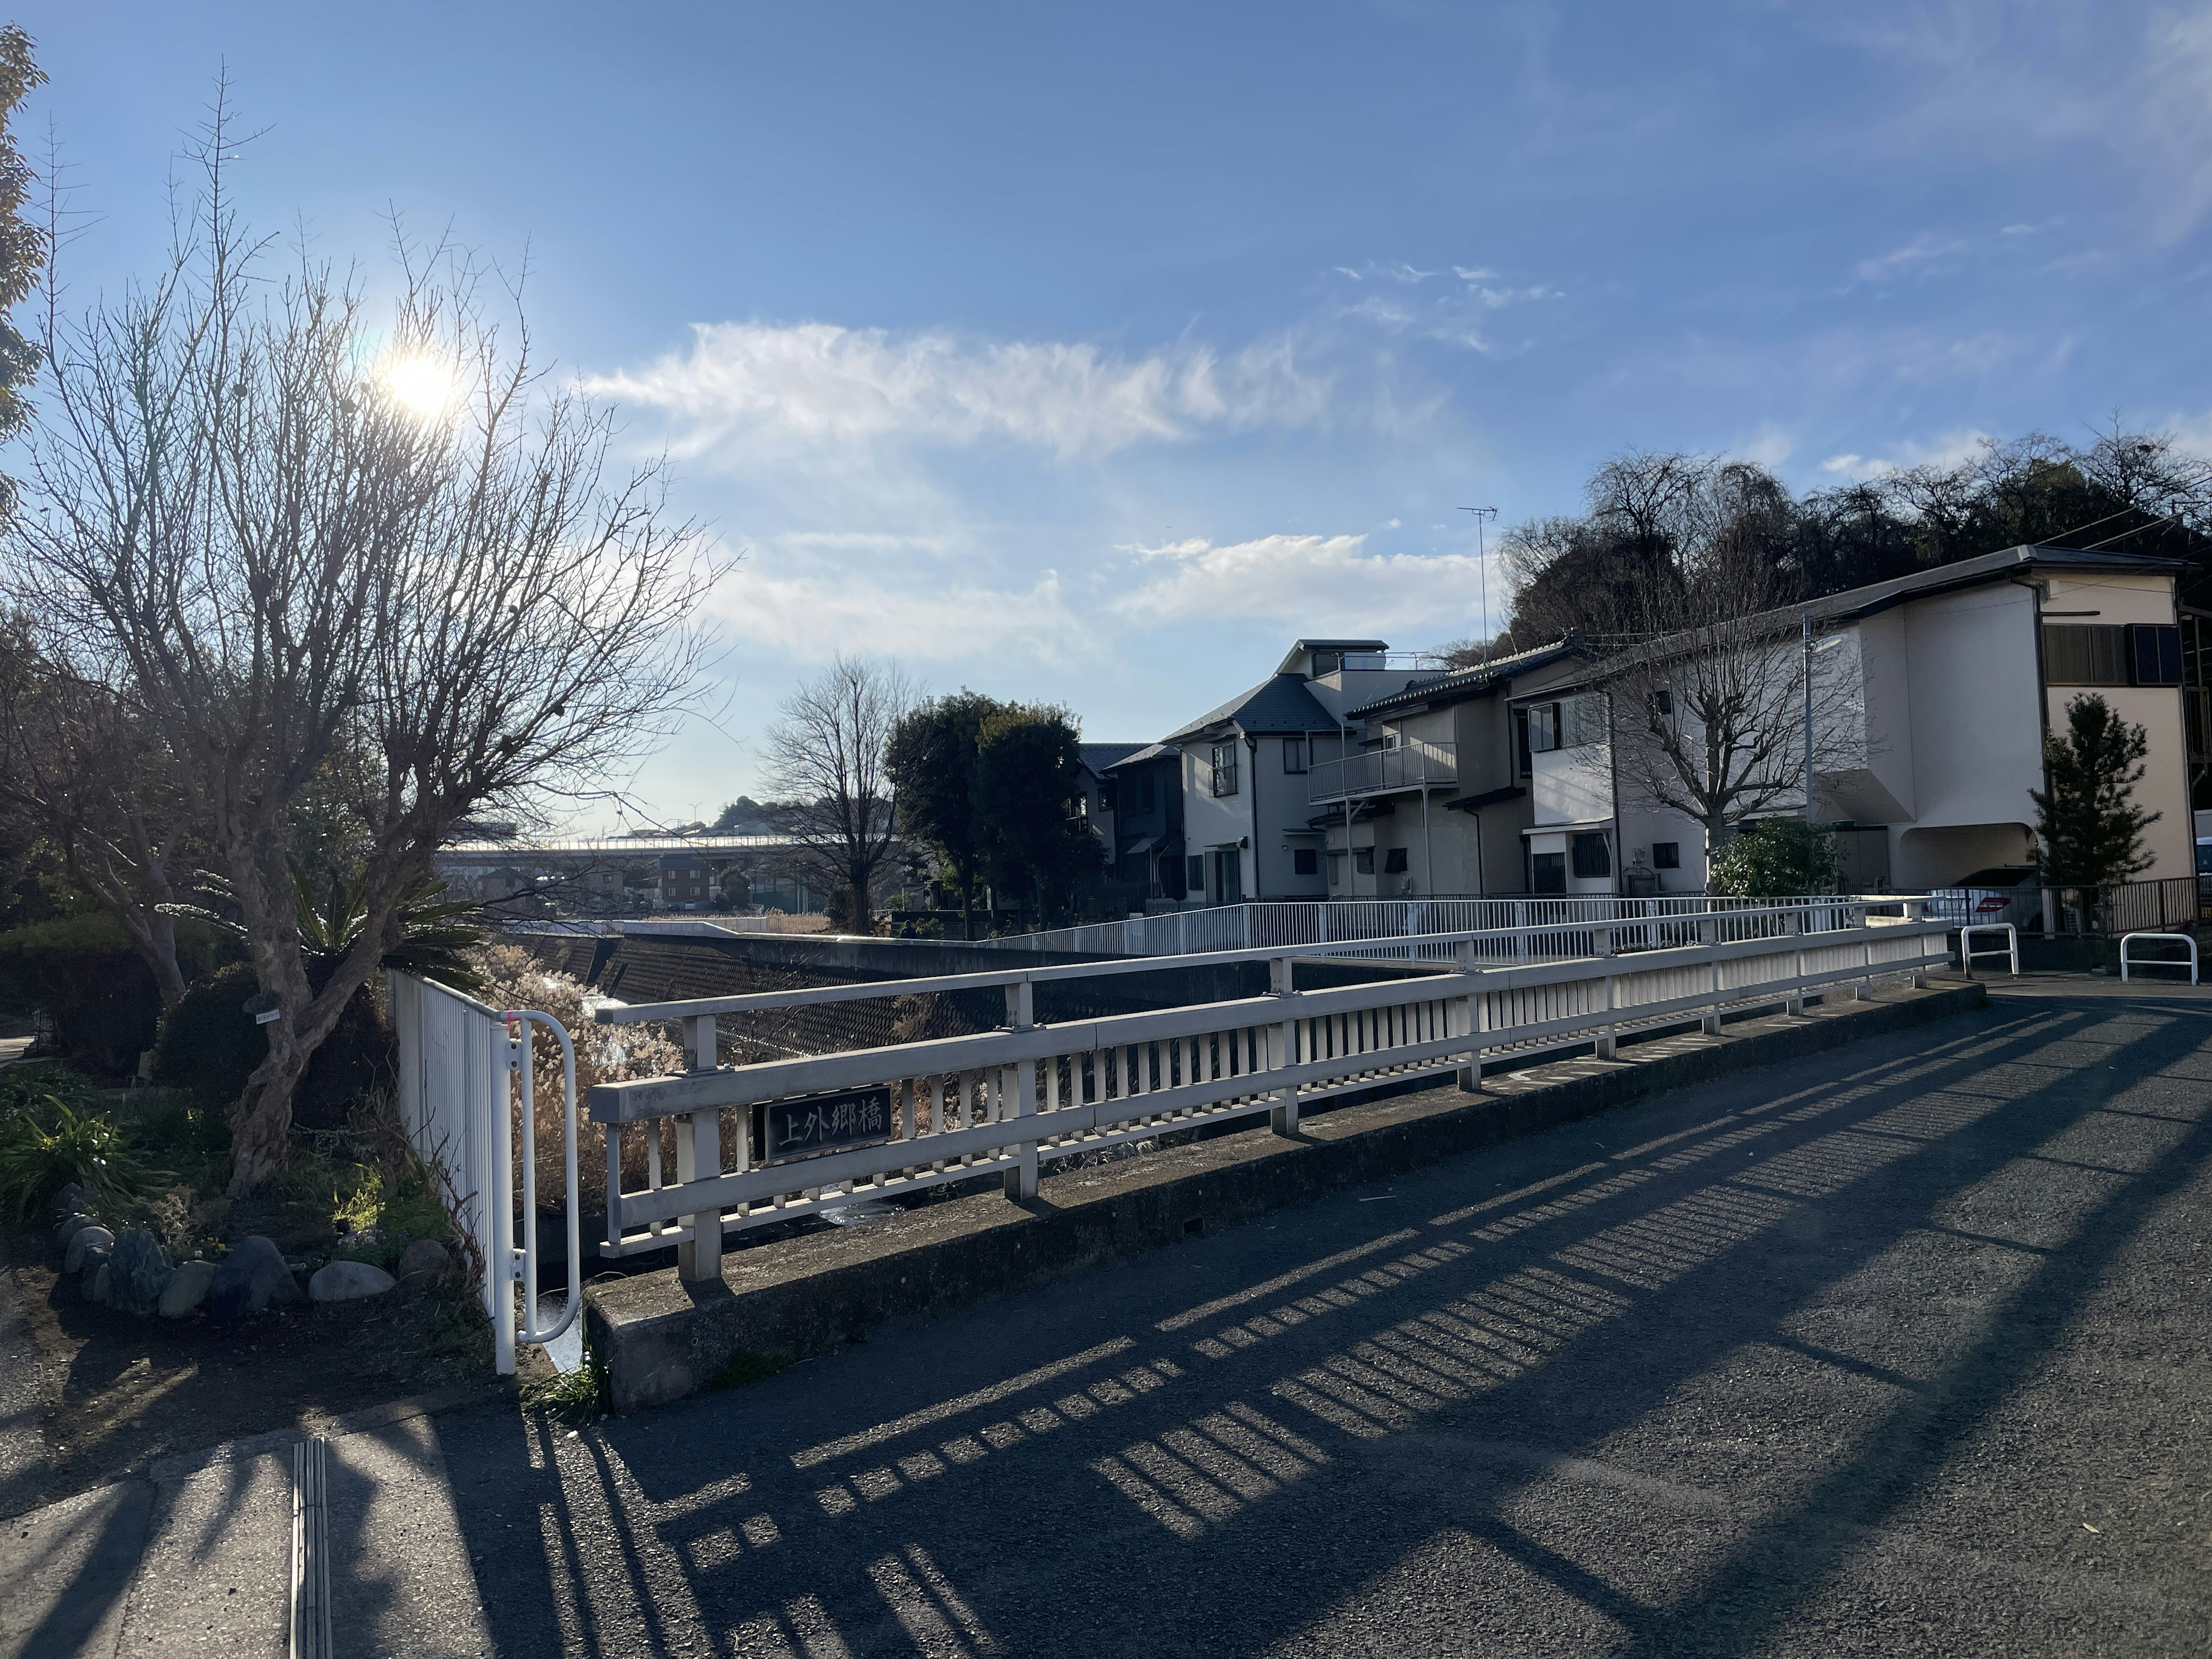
[(1482, 571)]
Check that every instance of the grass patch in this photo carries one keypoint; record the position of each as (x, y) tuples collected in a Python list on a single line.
[(744, 1368)]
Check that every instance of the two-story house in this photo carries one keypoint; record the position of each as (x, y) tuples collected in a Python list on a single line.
[(1434, 795), (1148, 848), (1249, 830), (1936, 691)]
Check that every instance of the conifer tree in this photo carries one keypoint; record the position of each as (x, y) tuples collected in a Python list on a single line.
[(2091, 829)]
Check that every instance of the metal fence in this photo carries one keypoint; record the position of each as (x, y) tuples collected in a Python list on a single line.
[(1270, 924), (454, 1101), (2133, 907), (887, 1122)]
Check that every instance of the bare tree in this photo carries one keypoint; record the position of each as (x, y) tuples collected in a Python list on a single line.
[(405, 573), (829, 753), (1709, 713)]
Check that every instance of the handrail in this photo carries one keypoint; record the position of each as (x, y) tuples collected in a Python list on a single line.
[(758, 1001), (2011, 946), (523, 1262), (2158, 961), (957, 1108)]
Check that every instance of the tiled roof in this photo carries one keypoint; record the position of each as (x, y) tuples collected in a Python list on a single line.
[(1281, 703)]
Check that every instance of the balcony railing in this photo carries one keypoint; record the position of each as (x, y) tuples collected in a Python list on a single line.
[(1410, 766)]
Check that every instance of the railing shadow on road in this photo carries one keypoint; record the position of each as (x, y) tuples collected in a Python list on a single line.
[(1219, 1477)]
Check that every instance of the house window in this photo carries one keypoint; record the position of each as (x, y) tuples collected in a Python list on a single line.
[(1662, 702), (1592, 857), (1362, 860), (1326, 662), (1394, 861), (1294, 753), (2110, 654), (2156, 654), (1666, 855), (1304, 861), (1521, 739), (1547, 873), (1194, 877), (1145, 798), (2085, 655), (1109, 796), (1544, 727), (1336, 869), (1225, 768)]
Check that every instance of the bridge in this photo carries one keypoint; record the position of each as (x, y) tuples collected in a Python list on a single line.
[(1900, 1350)]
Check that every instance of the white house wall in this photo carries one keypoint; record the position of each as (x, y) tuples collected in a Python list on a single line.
[(1974, 697)]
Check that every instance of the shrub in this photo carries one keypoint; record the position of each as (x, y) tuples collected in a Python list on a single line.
[(38, 1157), (41, 1089), (1776, 858), (211, 1045), (514, 978)]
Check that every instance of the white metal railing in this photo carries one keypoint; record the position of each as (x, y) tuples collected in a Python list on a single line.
[(2009, 949), (1002, 1101), (458, 1062), (1409, 766), (2182, 939), (1418, 925)]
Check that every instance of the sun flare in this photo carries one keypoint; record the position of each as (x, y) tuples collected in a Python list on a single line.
[(424, 386)]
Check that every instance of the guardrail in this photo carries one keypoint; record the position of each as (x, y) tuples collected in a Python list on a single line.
[(2183, 939), (1308, 922), (2011, 948), (824, 1131), (1407, 767)]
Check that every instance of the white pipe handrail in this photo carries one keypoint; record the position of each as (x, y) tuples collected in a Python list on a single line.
[(2158, 961), (524, 1265), (1001, 1101), (2010, 947)]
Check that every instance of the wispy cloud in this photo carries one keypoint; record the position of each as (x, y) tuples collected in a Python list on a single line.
[(1377, 270), (1297, 580), (818, 384), (1922, 253), (1948, 450)]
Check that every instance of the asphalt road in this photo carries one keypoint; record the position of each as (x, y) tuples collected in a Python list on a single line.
[(1901, 1350)]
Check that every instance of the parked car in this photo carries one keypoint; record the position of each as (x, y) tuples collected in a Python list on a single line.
[(2003, 892)]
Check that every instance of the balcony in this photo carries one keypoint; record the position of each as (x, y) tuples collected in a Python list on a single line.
[(1409, 766)]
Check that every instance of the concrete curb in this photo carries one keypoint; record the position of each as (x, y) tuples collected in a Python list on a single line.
[(660, 1338)]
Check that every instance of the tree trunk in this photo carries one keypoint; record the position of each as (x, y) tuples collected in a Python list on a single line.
[(864, 920)]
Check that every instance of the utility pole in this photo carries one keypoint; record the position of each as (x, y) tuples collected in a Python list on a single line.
[(1482, 571)]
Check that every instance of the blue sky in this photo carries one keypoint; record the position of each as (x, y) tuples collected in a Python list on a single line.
[(1092, 355)]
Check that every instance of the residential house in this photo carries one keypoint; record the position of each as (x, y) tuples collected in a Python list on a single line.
[(1938, 689), (1249, 824), (1434, 793), (687, 881), (1148, 846)]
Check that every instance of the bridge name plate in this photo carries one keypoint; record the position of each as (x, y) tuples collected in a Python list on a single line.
[(824, 1123)]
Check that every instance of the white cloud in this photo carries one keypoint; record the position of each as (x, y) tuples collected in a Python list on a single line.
[(1924, 251), (805, 597), (817, 384), (1948, 450), (1315, 581), (1399, 272)]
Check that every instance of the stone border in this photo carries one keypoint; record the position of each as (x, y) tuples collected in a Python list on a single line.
[(660, 1338)]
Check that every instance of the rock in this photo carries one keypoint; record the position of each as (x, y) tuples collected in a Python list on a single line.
[(83, 1240), (101, 1284), (248, 1279), (141, 1271), (425, 1255), (70, 1226), (74, 1198), (346, 1281), (188, 1288)]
